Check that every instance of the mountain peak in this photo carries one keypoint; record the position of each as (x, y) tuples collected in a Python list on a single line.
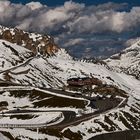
[(37, 43)]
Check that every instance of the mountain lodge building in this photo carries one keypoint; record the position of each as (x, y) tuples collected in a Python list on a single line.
[(82, 83)]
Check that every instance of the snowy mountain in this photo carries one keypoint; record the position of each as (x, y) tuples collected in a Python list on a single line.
[(127, 61), (12, 54), (111, 106)]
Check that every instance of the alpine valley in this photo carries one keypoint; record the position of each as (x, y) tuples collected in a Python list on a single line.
[(47, 94)]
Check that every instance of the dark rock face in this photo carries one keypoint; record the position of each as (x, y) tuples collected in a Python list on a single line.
[(4, 103), (7, 35), (36, 43)]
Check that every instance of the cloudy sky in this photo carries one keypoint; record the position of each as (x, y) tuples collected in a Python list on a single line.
[(86, 28)]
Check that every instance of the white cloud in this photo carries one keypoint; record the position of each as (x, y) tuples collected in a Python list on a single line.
[(34, 5), (73, 42), (102, 21), (70, 6), (26, 24), (75, 17), (23, 12), (3, 5), (118, 22)]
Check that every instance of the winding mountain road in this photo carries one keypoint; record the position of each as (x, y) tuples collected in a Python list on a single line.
[(85, 117), (67, 115), (20, 65)]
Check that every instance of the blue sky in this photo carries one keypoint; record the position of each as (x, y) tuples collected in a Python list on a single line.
[(86, 28)]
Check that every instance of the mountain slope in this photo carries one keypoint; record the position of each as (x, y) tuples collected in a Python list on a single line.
[(54, 72), (12, 55), (128, 61)]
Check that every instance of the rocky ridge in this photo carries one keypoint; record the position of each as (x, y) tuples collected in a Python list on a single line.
[(43, 44)]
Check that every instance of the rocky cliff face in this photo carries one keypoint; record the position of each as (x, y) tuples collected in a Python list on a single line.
[(37, 43)]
